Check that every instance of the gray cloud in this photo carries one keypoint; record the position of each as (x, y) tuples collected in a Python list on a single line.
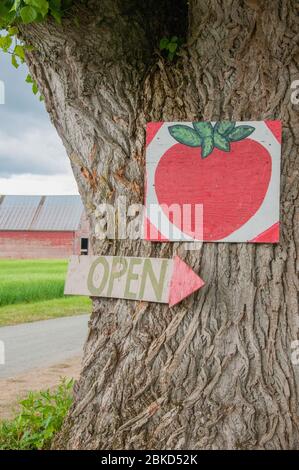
[(35, 150), (29, 143)]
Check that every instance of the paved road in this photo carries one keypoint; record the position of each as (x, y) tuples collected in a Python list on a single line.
[(42, 343)]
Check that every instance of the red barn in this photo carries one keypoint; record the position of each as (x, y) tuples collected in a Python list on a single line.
[(42, 227)]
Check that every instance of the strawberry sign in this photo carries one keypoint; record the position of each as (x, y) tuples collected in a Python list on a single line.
[(213, 181)]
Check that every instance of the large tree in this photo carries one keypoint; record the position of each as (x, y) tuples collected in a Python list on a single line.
[(215, 371)]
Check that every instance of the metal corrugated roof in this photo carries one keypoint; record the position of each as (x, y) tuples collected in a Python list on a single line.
[(16, 212), (44, 213)]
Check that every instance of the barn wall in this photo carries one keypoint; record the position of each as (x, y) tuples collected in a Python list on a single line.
[(23, 244)]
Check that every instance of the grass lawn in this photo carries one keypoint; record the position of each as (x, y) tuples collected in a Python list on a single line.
[(33, 290)]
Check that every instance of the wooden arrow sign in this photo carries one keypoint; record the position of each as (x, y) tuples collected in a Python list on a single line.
[(150, 279)]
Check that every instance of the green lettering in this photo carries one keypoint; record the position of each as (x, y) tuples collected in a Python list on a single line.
[(96, 291), (131, 276), (158, 285), (117, 260)]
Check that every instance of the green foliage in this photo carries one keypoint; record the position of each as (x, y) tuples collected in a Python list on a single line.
[(207, 137), (40, 418), (16, 12), (10, 45), (34, 86), (170, 46)]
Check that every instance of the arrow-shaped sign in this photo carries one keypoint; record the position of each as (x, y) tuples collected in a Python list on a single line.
[(150, 279)]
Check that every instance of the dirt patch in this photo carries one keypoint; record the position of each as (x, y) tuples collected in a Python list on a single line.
[(14, 389)]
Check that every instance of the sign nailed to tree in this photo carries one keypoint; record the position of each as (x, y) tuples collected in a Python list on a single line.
[(229, 170), (151, 279)]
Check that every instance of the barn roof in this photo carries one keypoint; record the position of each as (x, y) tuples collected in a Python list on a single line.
[(44, 213)]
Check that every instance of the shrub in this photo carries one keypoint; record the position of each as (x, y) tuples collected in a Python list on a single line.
[(40, 418)]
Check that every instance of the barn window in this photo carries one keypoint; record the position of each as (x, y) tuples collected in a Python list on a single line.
[(84, 246)]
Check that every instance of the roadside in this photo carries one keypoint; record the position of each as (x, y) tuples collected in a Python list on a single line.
[(37, 356), (18, 387), (42, 332), (44, 310), (41, 344)]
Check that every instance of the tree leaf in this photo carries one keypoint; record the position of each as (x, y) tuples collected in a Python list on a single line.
[(240, 133), (19, 51), (207, 147), (28, 14), (13, 30), (163, 43), (16, 5), (35, 88), (204, 129), (185, 135), (28, 48), (221, 142), (5, 42), (29, 79), (172, 47), (40, 5), (14, 61), (56, 15), (224, 127)]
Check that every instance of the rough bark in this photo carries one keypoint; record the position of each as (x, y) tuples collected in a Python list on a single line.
[(215, 371)]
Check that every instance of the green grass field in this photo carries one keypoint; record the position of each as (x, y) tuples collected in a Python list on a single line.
[(33, 290)]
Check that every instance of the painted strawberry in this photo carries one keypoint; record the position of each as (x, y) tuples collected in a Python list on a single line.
[(218, 166)]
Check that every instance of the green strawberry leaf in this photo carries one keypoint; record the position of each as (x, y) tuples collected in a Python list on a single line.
[(221, 142), (240, 133), (185, 135), (224, 127), (207, 147), (204, 129), (205, 135)]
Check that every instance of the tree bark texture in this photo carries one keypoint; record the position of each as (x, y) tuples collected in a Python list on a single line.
[(214, 372)]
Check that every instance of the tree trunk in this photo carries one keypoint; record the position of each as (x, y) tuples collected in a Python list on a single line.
[(215, 371)]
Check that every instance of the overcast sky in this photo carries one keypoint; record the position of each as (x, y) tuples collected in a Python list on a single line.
[(32, 157)]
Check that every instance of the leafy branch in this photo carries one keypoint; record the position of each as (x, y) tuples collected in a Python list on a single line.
[(16, 12)]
